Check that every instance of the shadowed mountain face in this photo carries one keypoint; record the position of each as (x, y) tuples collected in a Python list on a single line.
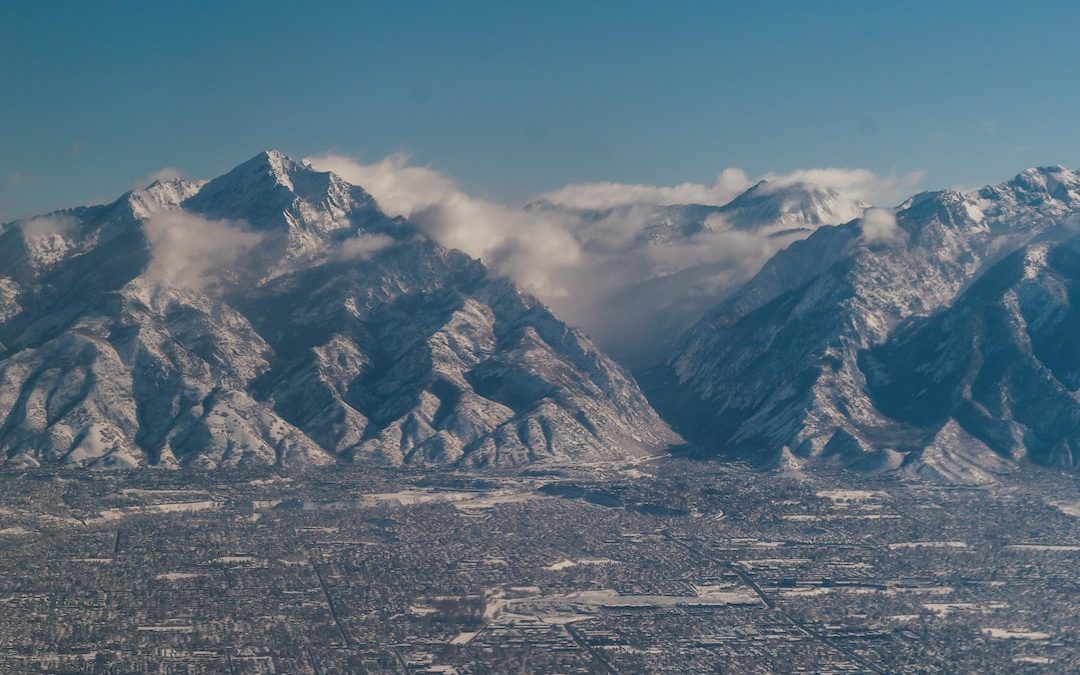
[(933, 337), (275, 315), (1002, 364)]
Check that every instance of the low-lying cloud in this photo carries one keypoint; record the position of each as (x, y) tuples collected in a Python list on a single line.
[(858, 184), (592, 251), (363, 246), (400, 188), (532, 248), (606, 195), (879, 227), (193, 252), (47, 225)]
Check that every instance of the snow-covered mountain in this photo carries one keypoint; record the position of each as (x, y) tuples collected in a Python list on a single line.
[(998, 370), (786, 208), (276, 315), (934, 336), (658, 268)]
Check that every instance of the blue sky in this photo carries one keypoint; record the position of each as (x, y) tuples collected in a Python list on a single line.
[(514, 98)]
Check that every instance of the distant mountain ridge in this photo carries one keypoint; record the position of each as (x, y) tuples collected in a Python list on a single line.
[(679, 260), (274, 315), (826, 353)]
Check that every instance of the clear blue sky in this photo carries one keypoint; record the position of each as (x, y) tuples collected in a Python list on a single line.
[(515, 98)]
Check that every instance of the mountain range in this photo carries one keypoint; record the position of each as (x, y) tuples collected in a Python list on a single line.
[(932, 338), (276, 315)]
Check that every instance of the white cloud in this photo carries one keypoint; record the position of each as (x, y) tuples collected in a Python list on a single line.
[(363, 246), (400, 189), (590, 267), (715, 222), (531, 248), (46, 225), (606, 195), (858, 184), (879, 226), (192, 252)]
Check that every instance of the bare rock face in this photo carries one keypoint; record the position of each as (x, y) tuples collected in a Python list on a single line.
[(275, 315), (923, 338)]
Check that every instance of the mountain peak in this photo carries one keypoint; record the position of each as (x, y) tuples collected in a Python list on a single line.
[(271, 163), (790, 204), (271, 191), (1052, 187), (278, 161), (279, 164), (270, 157), (163, 193), (757, 188), (1043, 177), (258, 321)]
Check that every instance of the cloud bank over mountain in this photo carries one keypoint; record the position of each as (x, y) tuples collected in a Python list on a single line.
[(189, 251), (608, 195), (589, 249)]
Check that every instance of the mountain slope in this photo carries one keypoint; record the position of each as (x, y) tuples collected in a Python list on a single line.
[(778, 363), (275, 315), (1002, 363)]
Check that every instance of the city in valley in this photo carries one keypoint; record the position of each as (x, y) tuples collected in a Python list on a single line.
[(656, 565)]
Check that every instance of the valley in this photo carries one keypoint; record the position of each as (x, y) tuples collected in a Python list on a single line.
[(658, 565)]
